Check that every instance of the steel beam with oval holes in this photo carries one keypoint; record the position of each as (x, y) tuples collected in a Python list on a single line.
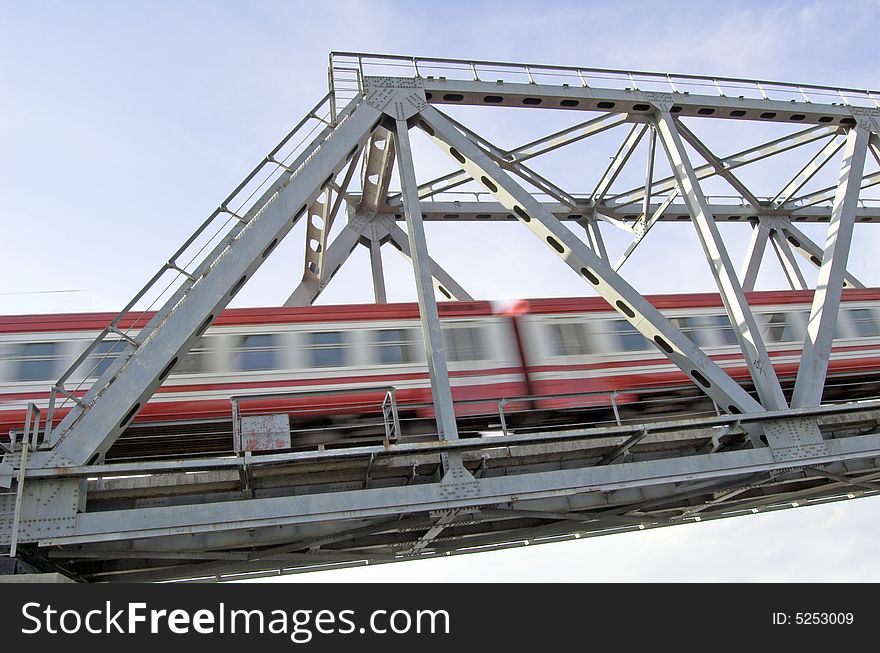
[(813, 368), (744, 325), (89, 430), (619, 294)]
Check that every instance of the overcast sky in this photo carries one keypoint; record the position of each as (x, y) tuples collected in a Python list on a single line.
[(124, 124)]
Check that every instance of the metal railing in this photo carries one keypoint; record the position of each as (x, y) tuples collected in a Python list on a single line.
[(390, 406), (390, 415), (348, 69), (195, 257), (29, 439), (649, 398), (387, 407)]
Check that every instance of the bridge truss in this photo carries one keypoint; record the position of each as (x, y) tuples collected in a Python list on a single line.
[(768, 445)]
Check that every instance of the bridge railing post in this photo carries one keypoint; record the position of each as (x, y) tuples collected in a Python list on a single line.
[(390, 416)]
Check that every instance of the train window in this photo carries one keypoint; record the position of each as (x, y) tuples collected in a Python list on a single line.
[(196, 359), (628, 338), (463, 344), (395, 346), (257, 352), (864, 323), (722, 328), (692, 328), (569, 339), (328, 349), (38, 361), (780, 327), (102, 357)]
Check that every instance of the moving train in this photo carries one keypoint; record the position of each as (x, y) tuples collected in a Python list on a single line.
[(329, 364)]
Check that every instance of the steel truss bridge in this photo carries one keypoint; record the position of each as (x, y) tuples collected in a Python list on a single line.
[(70, 506)]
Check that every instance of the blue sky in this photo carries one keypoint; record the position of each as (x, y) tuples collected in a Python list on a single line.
[(123, 124)]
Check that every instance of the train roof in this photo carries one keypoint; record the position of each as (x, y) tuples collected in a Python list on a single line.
[(354, 312)]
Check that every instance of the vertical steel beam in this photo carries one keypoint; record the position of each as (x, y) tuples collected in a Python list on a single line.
[(377, 272), (786, 258), (810, 381), (435, 349), (710, 378), (744, 325), (649, 173), (594, 236)]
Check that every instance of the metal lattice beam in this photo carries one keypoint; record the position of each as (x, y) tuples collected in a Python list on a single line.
[(813, 368), (435, 495)]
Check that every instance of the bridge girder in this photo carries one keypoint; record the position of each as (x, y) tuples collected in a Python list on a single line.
[(628, 480)]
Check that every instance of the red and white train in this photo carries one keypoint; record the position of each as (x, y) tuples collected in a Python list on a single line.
[(542, 347)]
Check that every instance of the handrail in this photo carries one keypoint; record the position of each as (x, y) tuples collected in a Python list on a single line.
[(389, 409), (637, 80), (279, 173)]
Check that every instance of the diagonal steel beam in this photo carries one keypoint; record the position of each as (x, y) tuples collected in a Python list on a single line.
[(827, 194), (804, 246), (567, 136), (594, 236), (447, 518), (445, 284), (524, 153), (731, 162), (378, 163), (516, 167), (619, 294), (744, 325), (642, 226), (618, 162), (365, 229), (847, 480), (794, 495), (624, 447), (810, 381), (719, 167), (806, 173), (580, 517), (89, 430), (787, 260), (310, 288)]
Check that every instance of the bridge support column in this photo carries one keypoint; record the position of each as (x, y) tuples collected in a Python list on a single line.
[(826, 301), (435, 350)]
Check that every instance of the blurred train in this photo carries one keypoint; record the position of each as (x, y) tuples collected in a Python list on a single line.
[(535, 349)]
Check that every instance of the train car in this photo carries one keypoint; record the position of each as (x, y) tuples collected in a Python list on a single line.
[(326, 365), (324, 360), (582, 345)]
